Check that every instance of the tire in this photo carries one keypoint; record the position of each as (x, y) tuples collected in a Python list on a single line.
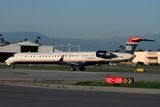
[(82, 68), (72, 68)]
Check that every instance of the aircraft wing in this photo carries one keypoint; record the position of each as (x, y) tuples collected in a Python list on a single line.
[(61, 62)]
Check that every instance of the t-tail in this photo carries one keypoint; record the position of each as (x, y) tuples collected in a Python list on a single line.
[(132, 43)]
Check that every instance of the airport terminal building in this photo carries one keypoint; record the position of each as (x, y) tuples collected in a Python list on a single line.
[(147, 57)]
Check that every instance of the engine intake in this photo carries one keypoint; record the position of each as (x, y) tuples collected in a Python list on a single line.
[(104, 54)]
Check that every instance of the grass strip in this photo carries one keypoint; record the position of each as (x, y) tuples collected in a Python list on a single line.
[(104, 68), (150, 85)]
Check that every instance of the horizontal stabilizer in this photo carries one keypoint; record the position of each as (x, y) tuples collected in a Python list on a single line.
[(136, 40), (148, 40)]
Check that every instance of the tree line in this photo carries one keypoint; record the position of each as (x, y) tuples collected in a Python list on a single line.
[(3, 42)]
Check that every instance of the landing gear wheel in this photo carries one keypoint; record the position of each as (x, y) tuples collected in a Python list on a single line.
[(82, 68), (12, 66), (72, 68)]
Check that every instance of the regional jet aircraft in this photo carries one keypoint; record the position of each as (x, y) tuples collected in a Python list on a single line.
[(78, 59)]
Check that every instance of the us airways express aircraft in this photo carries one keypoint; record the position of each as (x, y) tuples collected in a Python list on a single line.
[(78, 59)]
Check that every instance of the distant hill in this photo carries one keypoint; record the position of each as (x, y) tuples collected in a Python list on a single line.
[(14, 37), (110, 43)]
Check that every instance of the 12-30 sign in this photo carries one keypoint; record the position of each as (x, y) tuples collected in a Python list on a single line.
[(118, 80)]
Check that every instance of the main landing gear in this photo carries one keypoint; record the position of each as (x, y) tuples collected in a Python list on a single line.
[(81, 68), (72, 68)]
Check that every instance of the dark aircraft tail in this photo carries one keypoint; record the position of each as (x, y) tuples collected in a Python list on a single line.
[(132, 43)]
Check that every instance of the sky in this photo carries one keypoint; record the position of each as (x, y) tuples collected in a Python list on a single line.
[(81, 18)]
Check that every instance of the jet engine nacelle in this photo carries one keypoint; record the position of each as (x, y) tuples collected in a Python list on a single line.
[(104, 54)]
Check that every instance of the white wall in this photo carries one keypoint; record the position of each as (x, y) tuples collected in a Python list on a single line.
[(142, 57), (10, 48)]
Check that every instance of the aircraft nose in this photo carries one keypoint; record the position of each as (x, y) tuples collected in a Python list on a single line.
[(8, 61)]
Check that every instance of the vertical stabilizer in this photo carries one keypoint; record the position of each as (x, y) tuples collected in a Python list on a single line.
[(132, 43)]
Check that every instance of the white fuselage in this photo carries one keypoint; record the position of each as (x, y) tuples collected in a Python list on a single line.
[(67, 57)]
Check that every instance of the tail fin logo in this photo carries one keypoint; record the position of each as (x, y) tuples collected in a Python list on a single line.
[(129, 48)]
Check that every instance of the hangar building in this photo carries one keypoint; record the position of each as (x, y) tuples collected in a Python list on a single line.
[(147, 57), (46, 48), (27, 46), (9, 50)]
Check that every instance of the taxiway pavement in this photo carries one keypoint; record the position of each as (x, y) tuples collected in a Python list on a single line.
[(69, 76), (14, 96)]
